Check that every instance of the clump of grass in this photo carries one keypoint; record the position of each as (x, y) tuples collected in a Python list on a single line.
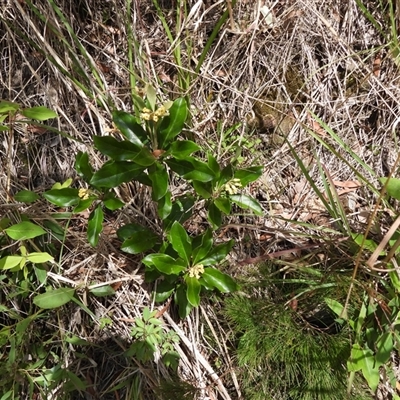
[(286, 353)]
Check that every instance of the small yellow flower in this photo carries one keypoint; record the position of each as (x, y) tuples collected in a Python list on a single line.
[(161, 112), (196, 271), (155, 118), (145, 116), (84, 193), (233, 186)]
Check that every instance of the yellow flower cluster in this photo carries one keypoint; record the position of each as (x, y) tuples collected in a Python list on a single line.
[(148, 115), (233, 186), (196, 271), (84, 193)]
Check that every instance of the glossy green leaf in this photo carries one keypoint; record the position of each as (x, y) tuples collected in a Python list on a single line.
[(223, 204), (200, 252), (126, 231), (39, 113), (115, 173), (139, 241), (203, 189), (392, 187), (217, 253), (102, 291), (180, 149), (113, 203), (180, 241), (213, 165), (182, 209), (214, 216), (9, 262), (163, 290), (164, 206), (184, 307), (54, 298), (172, 125), (215, 278), (26, 196), (95, 225), (38, 257), (226, 175), (65, 197), (130, 128), (247, 203), (7, 106), (193, 290), (124, 150), (24, 230), (159, 177), (165, 263), (83, 167), (192, 169), (84, 204), (248, 175)]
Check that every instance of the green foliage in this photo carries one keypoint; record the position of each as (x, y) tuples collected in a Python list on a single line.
[(289, 353), (9, 110), (154, 153), (191, 268), (150, 337), (150, 151)]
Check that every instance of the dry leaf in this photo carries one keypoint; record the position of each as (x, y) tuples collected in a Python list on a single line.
[(315, 126), (347, 184)]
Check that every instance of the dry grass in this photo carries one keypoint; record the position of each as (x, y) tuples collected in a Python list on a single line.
[(319, 57)]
